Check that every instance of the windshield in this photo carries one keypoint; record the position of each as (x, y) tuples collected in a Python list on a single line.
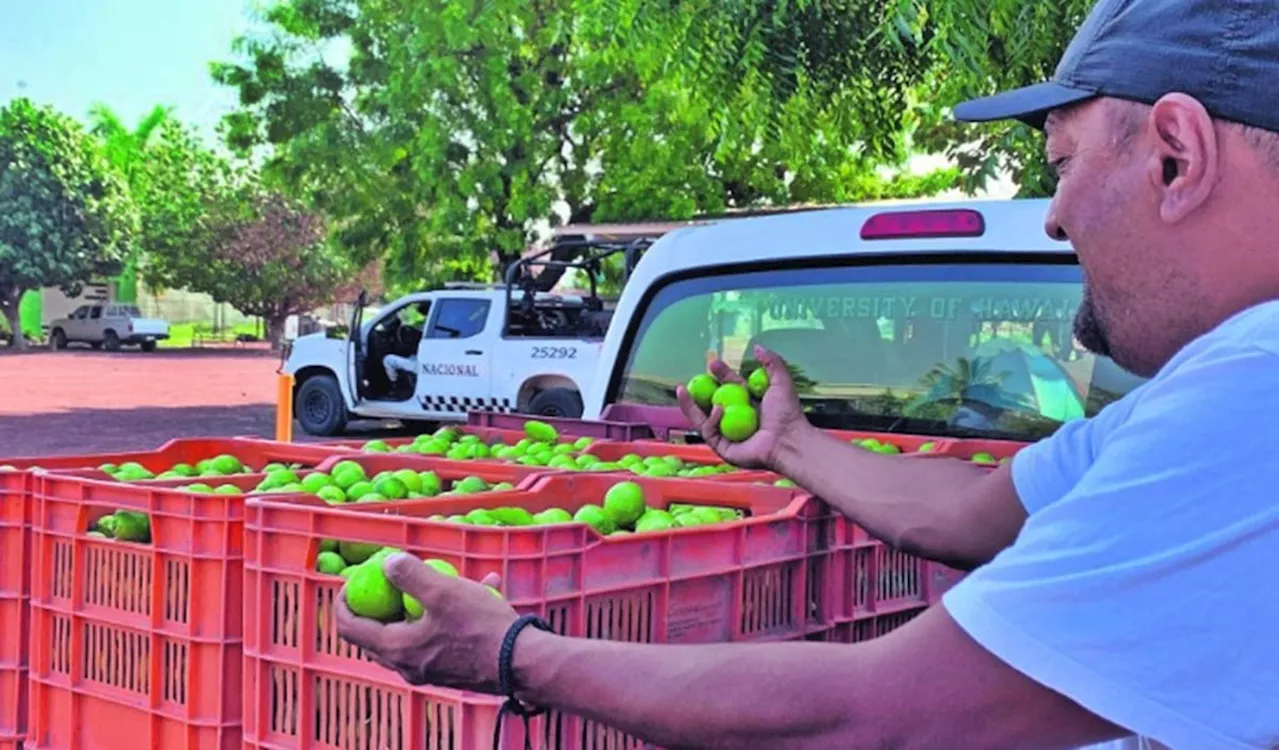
[(949, 349)]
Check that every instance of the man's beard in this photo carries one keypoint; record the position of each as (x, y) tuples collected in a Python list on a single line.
[(1088, 327)]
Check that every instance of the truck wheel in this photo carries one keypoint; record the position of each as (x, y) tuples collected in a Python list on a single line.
[(58, 339), (111, 341), (556, 402), (148, 346), (318, 406)]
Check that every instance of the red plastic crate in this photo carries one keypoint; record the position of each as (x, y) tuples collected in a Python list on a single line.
[(867, 628), (15, 583), (254, 452), (601, 429), (135, 645), (756, 579)]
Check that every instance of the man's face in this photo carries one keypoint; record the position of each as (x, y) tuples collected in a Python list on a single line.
[(1101, 206)]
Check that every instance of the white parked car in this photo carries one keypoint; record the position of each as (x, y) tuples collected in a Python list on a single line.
[(108, 326), (467, 347), (942, 319)]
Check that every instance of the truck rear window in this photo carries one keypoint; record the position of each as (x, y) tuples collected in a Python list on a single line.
[(951, 349)]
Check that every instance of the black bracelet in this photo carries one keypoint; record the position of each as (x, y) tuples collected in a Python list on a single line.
[(506, 680)]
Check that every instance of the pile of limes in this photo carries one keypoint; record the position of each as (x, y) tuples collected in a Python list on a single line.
[(623, 509), (348, 483), (541, 446), (218, 466), (739, 419)]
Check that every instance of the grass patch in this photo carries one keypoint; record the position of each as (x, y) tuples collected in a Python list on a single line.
[(184, 335)]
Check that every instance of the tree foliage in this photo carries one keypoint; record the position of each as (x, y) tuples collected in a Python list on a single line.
[(211, 225), (65, 212), (457, 130), (126, 149), (981, 47)]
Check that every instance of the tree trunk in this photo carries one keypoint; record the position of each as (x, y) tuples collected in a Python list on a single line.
[(275, 330), (10, 301)]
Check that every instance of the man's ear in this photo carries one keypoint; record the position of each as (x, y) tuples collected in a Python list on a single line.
[(1184, 161)]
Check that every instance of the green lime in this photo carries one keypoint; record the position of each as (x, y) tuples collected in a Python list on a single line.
[(478, 451), (347, 478), (199, 487), (391, 488), (552, 516), (332, 495), (739, 422), (376, 446), (315, 481), (468, 485), (982, 457), (702, 387), (104, 468), (328, 545), (685, 520), (131, 526), (481, 517), (541, 431), (373, 497), (433, 447), (227, 464), (512, 516), (228, 489), (927, 447), (629, 460), (868, 443), (431, 484), (502, 487), (586, 460), (659, 470), (330, 563), (784, 482), (655, 520), (758, 382), (731, 393), (562, 462), (457, 519), (184, 470), (563, 449), (357, 552), (359, 490), (595, 517), (887, 449), (706, 515), (583, 443), (370, 594), (272, 467), (624, 502)]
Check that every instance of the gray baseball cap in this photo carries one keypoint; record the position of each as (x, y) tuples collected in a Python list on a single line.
[(1222, 52)]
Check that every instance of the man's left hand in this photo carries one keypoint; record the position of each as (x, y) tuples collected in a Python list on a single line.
[(456, 641)]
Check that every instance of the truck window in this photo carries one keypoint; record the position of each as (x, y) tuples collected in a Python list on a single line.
[(952, 349), (95, 313), (79, 313), (459, 318)]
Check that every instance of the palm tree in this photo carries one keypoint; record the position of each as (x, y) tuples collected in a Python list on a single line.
[(126, 149), (973, 383)]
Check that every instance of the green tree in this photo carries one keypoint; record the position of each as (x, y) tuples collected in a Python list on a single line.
[(265, 256), (127, 149), (981, 47), (65, 213), (454, 130)]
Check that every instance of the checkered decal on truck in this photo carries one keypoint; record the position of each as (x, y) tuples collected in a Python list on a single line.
[(464, 404)]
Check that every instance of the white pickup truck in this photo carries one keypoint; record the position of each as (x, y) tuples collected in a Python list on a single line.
[(941, 319), (108, 326), (510, 348)]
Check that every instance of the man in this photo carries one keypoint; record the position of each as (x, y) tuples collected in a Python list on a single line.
[(394, 364), (1125, 582)]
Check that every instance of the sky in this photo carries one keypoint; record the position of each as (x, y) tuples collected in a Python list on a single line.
[(129, 54)]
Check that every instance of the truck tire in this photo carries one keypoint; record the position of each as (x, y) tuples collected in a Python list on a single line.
[(318, 406), (58, 339), (556, 402), (111, 340), (147, 346)]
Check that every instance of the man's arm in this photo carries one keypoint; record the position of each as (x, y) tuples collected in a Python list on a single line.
[(925, 685), (942, 509)]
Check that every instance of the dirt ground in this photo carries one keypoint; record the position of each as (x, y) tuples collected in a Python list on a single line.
[(83, 401)]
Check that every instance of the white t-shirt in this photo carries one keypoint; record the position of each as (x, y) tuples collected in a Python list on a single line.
[(1144, 583)]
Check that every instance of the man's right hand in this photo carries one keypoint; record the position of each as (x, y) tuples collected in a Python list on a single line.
[(781, 417)]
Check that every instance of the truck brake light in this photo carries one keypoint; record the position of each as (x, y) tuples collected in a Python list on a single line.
[(893, 225)]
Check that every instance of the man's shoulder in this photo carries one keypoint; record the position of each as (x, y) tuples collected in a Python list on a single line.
[(1254, 330)]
